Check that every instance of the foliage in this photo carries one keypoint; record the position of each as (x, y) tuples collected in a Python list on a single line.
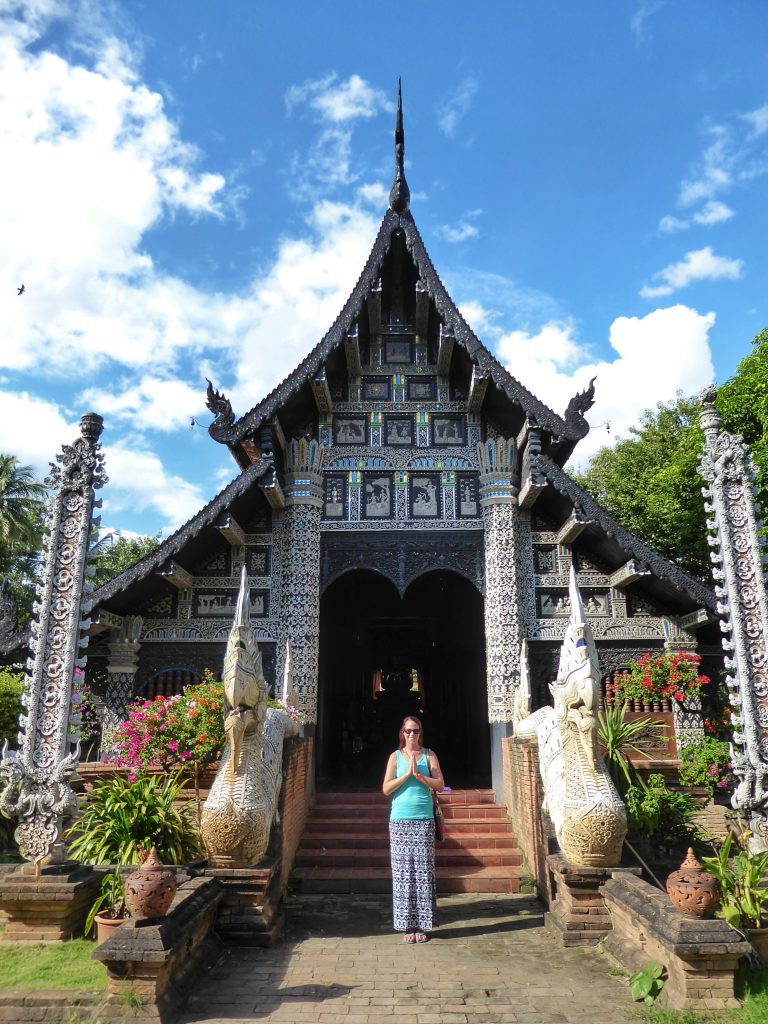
[(654, 811), (83, 704), (661, 676), (55, 965), (122, 818), (618, 736), (707, 762), (743, 894), (647, 983), (743, 403), (11, 688), (122, 552), (110, 900), (173, 732), (22, 514), (649, 481)]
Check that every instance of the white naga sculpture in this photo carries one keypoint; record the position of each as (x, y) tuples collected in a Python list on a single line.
[(242, 804), (589, 817)]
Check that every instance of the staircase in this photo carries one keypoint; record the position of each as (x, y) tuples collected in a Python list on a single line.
[(345, 846)]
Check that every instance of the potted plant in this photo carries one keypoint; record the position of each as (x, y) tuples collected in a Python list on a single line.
[(744, 893), (706, 761), (654, 678), (108, 909)]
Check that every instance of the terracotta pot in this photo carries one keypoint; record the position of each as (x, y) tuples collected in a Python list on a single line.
[(759, 939), (149, 891), (105, 925), (693, 891)]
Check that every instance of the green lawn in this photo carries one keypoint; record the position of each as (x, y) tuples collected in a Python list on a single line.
[(63, 965), (752, 988)]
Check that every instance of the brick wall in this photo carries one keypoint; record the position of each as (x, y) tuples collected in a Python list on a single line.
[(295, 797), (524, 797)]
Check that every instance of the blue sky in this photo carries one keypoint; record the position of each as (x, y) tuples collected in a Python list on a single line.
[(191, 189)]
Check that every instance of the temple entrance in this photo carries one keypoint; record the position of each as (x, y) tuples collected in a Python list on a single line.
[(383, 657)]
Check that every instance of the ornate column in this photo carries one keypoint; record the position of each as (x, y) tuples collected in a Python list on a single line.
[(300, 571), (121, 674), (501, 522), (37, 788), (729, 472)]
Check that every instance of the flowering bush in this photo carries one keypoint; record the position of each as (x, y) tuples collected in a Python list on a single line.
[(707, 762), (287, 709), (169, 732), (187, 729), (82, 704), (655, 677)]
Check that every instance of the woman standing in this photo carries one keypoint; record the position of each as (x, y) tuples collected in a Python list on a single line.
[(413, 774)]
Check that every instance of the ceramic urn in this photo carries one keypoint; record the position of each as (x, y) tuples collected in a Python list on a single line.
[(149, 891), (693, 891)]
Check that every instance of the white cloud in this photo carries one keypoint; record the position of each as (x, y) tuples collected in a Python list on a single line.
[(554, 365), (457, 232), (697, 265), (453, 107), (671, 224), (150, 404), (34, 429), (139, 482), (339, 102), (714, 212), (638, 20), (758, 119)]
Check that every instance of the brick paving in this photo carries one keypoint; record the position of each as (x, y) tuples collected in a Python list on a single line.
[(488, 961)]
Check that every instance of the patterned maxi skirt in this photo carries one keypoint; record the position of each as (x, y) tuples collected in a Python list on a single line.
[(412, 848)]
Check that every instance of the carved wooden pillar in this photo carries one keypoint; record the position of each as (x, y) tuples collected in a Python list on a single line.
[(37, 777), (300, 572), (121, 674), (728, 469), (502, 525)]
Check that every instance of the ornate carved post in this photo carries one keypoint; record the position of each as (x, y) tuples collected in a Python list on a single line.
[(37, 787), (121, 672), (300, 613), (728, 469), (502, 527)]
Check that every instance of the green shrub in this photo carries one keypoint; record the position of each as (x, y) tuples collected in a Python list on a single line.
[(122, 816), (653, 811), (707, 762), (11, 687)]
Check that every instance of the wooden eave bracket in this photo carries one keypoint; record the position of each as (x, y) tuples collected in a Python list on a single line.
[(175, 574), (352, 352), (322, 392), (445, 351), (374, 308), (628, 573), (272, 491), (103, 621), (422, 309), (477, 389), (575, 524), (695, 619), (278, 435), (530, 489), (230, 530)]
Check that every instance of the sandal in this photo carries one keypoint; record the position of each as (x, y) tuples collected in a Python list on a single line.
[(421, 937), (410, 937)]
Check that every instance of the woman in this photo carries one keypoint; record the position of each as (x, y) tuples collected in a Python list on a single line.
[(413, 774)]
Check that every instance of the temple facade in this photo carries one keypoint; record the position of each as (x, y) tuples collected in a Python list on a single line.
[(405, 521)]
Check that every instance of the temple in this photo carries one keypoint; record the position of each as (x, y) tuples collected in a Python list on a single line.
[(405, 522)]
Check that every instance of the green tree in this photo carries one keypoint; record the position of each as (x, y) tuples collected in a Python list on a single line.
[(22, 511), (743, 404), (650, 483), (118, 553)]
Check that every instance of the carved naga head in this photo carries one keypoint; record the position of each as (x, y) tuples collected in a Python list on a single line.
[(576, 691), (243, 675)]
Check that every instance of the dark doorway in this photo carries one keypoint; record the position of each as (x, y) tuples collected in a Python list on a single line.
[(383, 657)]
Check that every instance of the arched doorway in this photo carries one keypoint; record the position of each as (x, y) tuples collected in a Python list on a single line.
[(382, 657)]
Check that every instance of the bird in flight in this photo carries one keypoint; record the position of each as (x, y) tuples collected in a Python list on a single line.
[(21, 289)]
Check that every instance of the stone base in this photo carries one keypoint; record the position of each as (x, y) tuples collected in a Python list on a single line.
[(250, 911), (152, 965), (577, 914), (48, 908), (700, 957)]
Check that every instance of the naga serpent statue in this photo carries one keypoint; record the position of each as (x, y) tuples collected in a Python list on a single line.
[(589, 817), (242, 804)]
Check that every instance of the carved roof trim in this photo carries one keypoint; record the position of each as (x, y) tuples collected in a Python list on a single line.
[(172, 545), (569, 430), (660, 567)]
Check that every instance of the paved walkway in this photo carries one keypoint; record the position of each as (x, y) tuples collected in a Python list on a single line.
[(489, 961)]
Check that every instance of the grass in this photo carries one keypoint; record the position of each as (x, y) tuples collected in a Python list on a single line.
[(58, 965), (751, 987)]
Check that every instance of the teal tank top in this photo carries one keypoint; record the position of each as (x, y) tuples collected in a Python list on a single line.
[(413, 800)]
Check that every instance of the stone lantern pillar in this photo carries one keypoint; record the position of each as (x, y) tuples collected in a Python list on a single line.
[(300, 572), (740, 585)]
